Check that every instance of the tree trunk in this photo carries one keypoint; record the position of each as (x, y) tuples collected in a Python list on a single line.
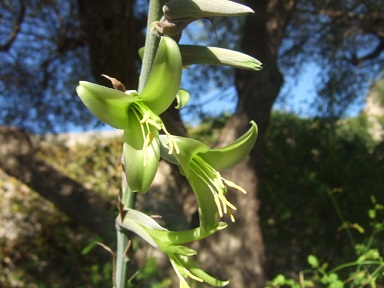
[(263, 34), (113, 34)]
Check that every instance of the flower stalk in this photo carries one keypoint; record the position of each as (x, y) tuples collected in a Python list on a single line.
[(128, 197)]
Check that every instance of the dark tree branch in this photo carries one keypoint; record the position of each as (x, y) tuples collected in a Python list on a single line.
[(16, 29)]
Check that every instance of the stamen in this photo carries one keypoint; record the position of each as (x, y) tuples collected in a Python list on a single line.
[(234, 185), (152, 119), (231, 215), (218, 204), (194, 277), (220, 179), (214, 181), (172, 142), (147, 142), (226, 203), (147, 119)]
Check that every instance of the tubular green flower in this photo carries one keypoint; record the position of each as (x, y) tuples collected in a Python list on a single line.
[(112, 106), (201, 166), (137, 114), (170, 242)]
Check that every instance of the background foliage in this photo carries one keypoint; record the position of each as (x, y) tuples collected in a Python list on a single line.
[(307, 160), (307, 163)]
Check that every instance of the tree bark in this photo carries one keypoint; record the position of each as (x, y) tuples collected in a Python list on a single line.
[(113, 33), (263, 34)]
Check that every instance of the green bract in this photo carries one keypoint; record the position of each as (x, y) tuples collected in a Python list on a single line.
[(137, 114), (170, 242), (201, 166)]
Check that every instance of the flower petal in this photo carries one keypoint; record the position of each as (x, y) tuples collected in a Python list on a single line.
[(185, 267), (208, 213), (109, 105), (188, 149), (141, 154), (164, 80), (228, 156)]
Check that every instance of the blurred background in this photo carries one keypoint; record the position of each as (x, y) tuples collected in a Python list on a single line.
[(314, 180)]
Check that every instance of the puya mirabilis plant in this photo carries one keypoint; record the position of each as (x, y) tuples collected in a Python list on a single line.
[(137, 113)]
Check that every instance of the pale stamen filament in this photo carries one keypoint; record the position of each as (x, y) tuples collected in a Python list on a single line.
[(213, 180), (145, 131), (148, 120), (231, 215), (159, 125), (137, 116), (147, 142), (172, 142), (234, 185), (217, 202), (189, 274), (218, 186)]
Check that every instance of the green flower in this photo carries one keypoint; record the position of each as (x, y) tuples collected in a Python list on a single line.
[(137, 114), (170, 242), (201, 166)]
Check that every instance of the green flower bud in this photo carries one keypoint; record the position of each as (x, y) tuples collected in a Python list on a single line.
[(193, 54), (178, 14), (193, 9)]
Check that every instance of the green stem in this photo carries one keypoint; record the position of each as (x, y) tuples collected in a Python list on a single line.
[(151, 41), (128, 198), (343, 221), (355, 263)]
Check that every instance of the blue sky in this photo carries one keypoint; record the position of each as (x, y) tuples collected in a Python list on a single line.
[(297, 96)]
